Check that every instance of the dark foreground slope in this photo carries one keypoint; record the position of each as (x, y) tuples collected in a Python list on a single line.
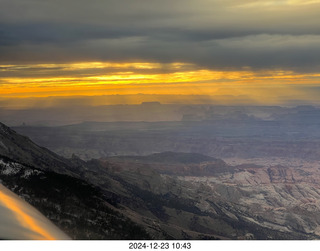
[(80, 209)]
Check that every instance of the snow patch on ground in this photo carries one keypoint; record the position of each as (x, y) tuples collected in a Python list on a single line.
[(9, 168), (29, 172)]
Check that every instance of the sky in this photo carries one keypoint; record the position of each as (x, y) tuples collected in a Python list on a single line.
[(263, 51)]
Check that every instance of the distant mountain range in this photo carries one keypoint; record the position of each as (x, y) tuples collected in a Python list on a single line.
[(166, 195), (172, 157), (219, 131)]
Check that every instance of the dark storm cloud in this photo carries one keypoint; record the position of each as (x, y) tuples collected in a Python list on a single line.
[(220, 34), (40, 33)]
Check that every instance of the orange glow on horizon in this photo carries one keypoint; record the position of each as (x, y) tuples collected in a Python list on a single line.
[(108, 78)]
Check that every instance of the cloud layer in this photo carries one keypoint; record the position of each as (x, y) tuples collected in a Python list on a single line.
[(213, 34)]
